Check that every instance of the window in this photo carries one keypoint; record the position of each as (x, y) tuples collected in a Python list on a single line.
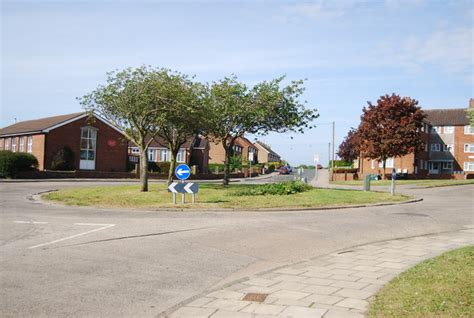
[(436, 130), (448, 129), (152, 155), (372, 164), (448, 165), (135, 151), (448, 147), (389, 163), (181, 156), (468, 166), (22, 144), (29, 145), (435, 147), (468, 130), (468, 147), (88, 143), (14, 144), (164, 155), (7, 143)]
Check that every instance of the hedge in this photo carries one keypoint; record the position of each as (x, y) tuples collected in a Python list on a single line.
[(13, 162)]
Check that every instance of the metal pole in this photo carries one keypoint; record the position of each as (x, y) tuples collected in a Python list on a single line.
[(174, 198), (194, 197), (183, 198)]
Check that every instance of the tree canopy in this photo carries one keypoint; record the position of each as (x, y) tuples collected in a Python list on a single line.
[(390, 128), (349, 148)]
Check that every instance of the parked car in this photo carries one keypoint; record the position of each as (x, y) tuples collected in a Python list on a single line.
[(320, 166), (290, 169), (284, 170)]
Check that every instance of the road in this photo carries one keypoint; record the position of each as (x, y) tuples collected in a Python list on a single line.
[(71, 261)]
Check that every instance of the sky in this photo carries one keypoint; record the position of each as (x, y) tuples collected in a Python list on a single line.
[(348, 52)]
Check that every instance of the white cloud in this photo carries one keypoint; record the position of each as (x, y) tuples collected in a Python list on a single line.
[(451, 50)]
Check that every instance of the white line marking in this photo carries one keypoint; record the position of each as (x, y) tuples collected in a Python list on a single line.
[(103, 227), (29, 222)]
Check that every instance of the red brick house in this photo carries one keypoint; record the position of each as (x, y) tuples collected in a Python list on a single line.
[(96, 144), (242, 147), (448, 150), (195, 152)]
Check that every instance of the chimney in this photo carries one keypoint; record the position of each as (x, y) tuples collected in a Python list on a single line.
[(471, 103)]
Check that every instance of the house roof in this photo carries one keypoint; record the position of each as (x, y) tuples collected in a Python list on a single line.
[(447, 117), (158, 142), (38, 125), (244, 142), (265, 147)]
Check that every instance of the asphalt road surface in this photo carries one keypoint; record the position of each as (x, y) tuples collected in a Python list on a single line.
[(71, 261)]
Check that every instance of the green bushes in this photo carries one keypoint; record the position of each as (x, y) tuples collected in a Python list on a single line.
[(160, 167), (63, 160), (282, 188), (13, 162)]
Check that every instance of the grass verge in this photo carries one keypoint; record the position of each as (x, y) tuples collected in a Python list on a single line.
[(214, 196), (439, 287), (420, 183)]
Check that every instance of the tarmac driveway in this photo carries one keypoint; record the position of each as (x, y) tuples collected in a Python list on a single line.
[(69, 261)]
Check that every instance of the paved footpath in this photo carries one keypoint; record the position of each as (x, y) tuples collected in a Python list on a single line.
[(336, 285)]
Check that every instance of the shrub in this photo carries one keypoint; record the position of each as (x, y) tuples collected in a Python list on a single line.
[(282, 188), (63, 160), (235, 162), (212, 167), (13, 162), (160, 167), (271, 167)]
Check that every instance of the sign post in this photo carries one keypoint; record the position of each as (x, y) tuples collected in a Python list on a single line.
[(250, 161), (392, 186), (183, 172), (316, 162)]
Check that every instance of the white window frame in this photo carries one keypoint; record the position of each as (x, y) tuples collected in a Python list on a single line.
[(435, 147), (151, 155), (447, 165), (448, 129), (448, 147), (29, 144), (21, 147), (468, 166), (13, 142), (164, 155), (389, 163), (7, 143), (468, 148), (468, 130), (135, 151), (181, 155), (436, 130), (372, 164)]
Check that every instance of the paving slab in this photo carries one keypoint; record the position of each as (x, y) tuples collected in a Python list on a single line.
[(325, 286)]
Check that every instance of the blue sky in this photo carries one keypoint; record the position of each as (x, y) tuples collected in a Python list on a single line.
[(350, 52)]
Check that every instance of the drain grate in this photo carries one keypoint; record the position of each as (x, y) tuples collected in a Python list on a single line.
[(256, 297)]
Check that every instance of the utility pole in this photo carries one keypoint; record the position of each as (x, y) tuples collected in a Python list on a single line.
[(333, 149), (329, 155)]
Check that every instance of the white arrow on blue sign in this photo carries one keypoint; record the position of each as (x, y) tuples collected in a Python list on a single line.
[(182, 172)]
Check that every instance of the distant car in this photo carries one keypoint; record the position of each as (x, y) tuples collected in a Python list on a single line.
[(320, 166), (284, 170), (290, 169)]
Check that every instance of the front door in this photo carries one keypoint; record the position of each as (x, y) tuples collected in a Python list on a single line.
[(88, 148), (434, 167)]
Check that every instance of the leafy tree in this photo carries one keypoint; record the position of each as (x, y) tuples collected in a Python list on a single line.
[(349, 148), (391, 128), (133, 100), (470, 116), (182, 118), (233, 109)]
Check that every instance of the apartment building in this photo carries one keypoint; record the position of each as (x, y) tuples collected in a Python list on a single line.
[(448, 148)]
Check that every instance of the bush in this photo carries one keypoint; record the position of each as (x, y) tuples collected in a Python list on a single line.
[(341, 163), (271, 167), (282, 188), (13, 162), (63, 160), (160, 167), (212, 167)]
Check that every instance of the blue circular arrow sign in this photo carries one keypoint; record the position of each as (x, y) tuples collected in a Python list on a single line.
[(182, 172)]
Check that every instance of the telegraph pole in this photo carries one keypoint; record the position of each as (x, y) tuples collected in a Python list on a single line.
[(333, 144)]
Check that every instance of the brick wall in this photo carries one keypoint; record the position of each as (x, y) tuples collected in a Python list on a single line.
[(111, 147), (460, 156), (216, 152)]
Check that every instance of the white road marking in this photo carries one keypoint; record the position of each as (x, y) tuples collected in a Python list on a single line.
[(29, 222), (103, 227)]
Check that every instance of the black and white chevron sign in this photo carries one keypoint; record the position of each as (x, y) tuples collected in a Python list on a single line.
[(181, 187)]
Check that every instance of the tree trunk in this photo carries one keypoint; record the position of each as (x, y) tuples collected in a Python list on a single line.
[(143, 169), (228, 153), (384, 162), (174, 153)]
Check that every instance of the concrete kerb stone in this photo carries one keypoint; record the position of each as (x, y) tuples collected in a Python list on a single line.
[(354, 300)]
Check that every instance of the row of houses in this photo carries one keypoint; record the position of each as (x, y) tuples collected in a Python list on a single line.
[(97, 145), (448, 148)]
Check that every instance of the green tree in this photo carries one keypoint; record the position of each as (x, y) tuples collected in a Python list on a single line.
[(134, 101), (233, 109), (391, 128)]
